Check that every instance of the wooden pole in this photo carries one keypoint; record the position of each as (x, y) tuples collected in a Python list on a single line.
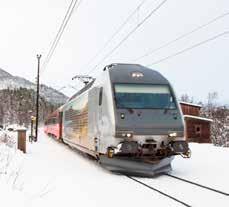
[(37, 101)]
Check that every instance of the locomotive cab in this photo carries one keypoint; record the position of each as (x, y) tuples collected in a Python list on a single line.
[(148, 122), (128, 118)]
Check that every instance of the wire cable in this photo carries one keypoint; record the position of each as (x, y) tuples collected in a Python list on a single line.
[(189, 48), (182, 36), (128, 35), (116, 32), (60, 31)]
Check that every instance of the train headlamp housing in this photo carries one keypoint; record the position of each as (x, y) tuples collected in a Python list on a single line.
[(137, 74), (124, 134), (173, 134), (122, 116), (110, 152)]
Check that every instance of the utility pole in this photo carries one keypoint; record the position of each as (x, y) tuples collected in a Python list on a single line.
[(37, 101)]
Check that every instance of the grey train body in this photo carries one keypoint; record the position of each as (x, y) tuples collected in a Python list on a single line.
[(129, 119)]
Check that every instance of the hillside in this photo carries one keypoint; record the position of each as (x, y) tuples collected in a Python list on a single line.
[(18, 105), (8, 81), (18, 98)]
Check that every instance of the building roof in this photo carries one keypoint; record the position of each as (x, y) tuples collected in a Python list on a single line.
[(190, 104), (198, 117)]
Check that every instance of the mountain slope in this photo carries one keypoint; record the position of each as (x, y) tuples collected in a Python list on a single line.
[(8, 81), (3, 73), (18, 105)]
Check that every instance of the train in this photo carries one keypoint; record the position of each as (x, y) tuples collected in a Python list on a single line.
[(128, 119)]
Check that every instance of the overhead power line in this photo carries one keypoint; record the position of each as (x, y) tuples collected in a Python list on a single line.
[(128, 35), (116, 32), (60, 31), (189, 48), (61, 88), (182, 36), (73, 87)]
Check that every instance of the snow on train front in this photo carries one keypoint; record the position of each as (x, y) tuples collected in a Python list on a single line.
[(128, 118)]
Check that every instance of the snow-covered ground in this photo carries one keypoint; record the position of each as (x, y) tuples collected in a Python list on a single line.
[(52, 174)]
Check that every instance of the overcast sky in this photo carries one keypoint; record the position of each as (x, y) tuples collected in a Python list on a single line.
[(28, 27)]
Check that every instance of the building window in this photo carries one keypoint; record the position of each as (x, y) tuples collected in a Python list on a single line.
[(198, 130)]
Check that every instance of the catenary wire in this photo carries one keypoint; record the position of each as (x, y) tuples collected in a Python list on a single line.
[(182, 36), (67, 17), (59, 31), (128, 35), (60, 35), (189, 48), (115, 33)]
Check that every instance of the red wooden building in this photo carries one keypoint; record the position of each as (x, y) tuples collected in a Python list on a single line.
[(197, 128)]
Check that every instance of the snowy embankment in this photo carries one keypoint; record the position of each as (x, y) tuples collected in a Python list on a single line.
[(11, 164), (52, 174)]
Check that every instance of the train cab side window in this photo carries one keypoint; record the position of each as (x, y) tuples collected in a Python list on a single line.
[(100, 96)]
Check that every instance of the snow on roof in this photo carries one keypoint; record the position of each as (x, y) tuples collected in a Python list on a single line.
[(198, 117), (191, 104), (20, 128)]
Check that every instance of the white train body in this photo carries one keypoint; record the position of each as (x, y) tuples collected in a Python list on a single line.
[(129, 112)]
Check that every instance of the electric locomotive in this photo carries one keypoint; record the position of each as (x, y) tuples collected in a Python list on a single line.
[(128, 118)]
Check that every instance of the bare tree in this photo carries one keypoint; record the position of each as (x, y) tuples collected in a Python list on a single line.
[(186, 98), (219, 115)]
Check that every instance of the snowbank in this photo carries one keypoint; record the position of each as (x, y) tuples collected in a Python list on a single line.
[(52, 174), (11, 166)]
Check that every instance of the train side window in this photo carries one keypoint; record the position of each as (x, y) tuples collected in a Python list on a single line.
[(100, 96)]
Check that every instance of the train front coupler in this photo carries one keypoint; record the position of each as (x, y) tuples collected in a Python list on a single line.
[(180, 148)]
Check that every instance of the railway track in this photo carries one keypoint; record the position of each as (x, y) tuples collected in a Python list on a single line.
[(216, 191), (161, 192), (197, 184)]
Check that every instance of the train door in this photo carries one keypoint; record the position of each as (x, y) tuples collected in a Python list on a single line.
[(100, 106), (60, 124), (95, 117)]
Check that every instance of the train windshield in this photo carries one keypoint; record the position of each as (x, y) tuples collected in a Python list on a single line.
[(143, 96)]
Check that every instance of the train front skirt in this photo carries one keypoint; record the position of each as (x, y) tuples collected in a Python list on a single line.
[(133, 167)]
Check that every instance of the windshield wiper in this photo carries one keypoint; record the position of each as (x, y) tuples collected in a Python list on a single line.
[(168, 106)]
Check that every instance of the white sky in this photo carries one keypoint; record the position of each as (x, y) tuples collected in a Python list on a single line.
[(28, 27)]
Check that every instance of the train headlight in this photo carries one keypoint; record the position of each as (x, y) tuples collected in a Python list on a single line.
[(173, 134), (110, 152), (122, 116), (124, 134)]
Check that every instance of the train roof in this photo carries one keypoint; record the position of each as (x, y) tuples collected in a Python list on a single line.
[(54, 113), (81, 90), (120, 72)]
